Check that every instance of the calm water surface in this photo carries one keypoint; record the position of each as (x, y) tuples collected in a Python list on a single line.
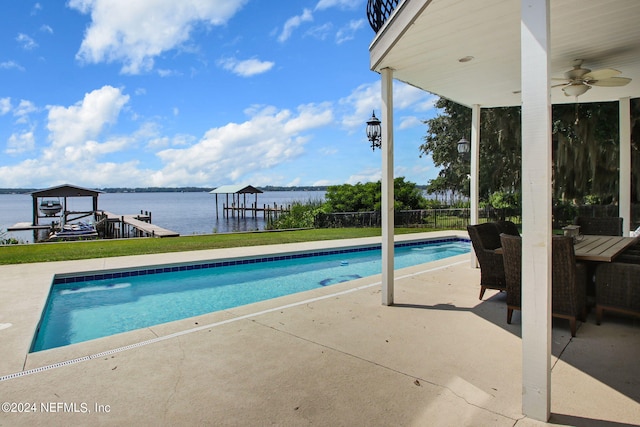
[(185, 213)]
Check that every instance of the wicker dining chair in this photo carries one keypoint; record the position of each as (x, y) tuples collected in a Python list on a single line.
[(631, 255), (617, 288), (607, 226), (512, 260), (485, 239), (569, 279)]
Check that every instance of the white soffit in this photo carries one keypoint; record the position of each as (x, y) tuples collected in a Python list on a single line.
[(425, 39)]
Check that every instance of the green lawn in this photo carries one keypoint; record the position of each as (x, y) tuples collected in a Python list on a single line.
[(62, 251)]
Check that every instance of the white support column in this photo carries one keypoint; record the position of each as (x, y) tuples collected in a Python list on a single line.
[(387, 187), (474, 194), (536, 209), (624, 196)]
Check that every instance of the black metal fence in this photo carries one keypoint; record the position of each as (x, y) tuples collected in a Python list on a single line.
[(424, 218), (459, 218)]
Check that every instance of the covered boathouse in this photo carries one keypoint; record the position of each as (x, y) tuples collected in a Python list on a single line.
[(236, 191), (46, 197)]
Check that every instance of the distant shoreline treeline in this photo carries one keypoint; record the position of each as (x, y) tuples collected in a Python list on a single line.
[(179, 189), (168, 189)]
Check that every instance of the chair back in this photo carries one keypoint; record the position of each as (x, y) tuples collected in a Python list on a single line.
[(486, 239), (508, 227), (607, 226), (512, 259), (568, 290), (484, 236)]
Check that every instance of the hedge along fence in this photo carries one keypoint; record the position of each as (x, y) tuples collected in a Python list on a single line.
[(427, 218)]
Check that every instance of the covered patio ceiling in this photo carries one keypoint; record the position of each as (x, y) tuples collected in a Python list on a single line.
[(471, 53), (424, 41)]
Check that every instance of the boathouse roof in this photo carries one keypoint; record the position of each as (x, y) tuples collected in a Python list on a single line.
[(236, 189), (65, 190)]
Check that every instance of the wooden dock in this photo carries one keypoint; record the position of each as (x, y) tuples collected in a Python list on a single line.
[(122, 226), (27, 226), (242, 210)]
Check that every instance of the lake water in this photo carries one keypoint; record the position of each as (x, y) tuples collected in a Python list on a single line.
[(185, 213)]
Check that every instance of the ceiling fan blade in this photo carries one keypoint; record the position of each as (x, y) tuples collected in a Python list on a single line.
[(611, 82), (601, 74)]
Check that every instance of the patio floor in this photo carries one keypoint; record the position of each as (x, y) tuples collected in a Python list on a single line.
[(332, 356)]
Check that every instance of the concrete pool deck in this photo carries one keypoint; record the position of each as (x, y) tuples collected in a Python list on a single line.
[(330, 356)]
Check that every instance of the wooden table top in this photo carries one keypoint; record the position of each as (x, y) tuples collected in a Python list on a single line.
[(601, 248)]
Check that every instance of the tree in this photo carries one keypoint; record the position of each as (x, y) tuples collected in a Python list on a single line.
[(585, 149), (368, 197), (499, 148)]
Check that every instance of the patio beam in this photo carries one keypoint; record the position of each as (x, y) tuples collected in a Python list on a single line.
[(536, 209), (387, 187)]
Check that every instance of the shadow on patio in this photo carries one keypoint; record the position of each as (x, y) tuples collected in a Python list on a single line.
[(596, 373)]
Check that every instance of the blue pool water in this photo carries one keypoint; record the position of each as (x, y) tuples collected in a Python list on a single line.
[(86, 307)]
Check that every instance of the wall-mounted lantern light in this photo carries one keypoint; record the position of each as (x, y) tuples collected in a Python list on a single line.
[(374, 131), (464, 147)]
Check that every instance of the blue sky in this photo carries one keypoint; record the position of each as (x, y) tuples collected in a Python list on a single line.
[(113, 93)]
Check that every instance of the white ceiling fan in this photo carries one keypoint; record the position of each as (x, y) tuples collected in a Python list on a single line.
[(579, 80)]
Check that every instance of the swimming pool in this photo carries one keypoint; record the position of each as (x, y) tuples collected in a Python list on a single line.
[(93, 305)]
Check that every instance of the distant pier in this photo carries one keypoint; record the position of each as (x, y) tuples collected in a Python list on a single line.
[(116, 226), (242, 209), (253, 210)]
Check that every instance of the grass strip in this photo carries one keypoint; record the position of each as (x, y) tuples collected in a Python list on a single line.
[(65, 251)]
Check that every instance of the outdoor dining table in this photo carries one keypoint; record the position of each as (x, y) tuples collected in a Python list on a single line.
[(601, 248), (598, 248)]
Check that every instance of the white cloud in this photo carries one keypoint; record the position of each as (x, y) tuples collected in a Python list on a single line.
[(328, 151), (342, 4), (167, 73), (23, 110), (135, 32), (293, 23), (427, 104), (8, 65), (5, 106), (320, 32), (78, 145), (365, 98), (310, 116), (156, 143), (360, 103), (237, 150), (293, 183), (409, 122), (369, 175), (26, 42), (406, 96), (247, 67), (20, 143), (348, 31), (46, 29), (73, 129)]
